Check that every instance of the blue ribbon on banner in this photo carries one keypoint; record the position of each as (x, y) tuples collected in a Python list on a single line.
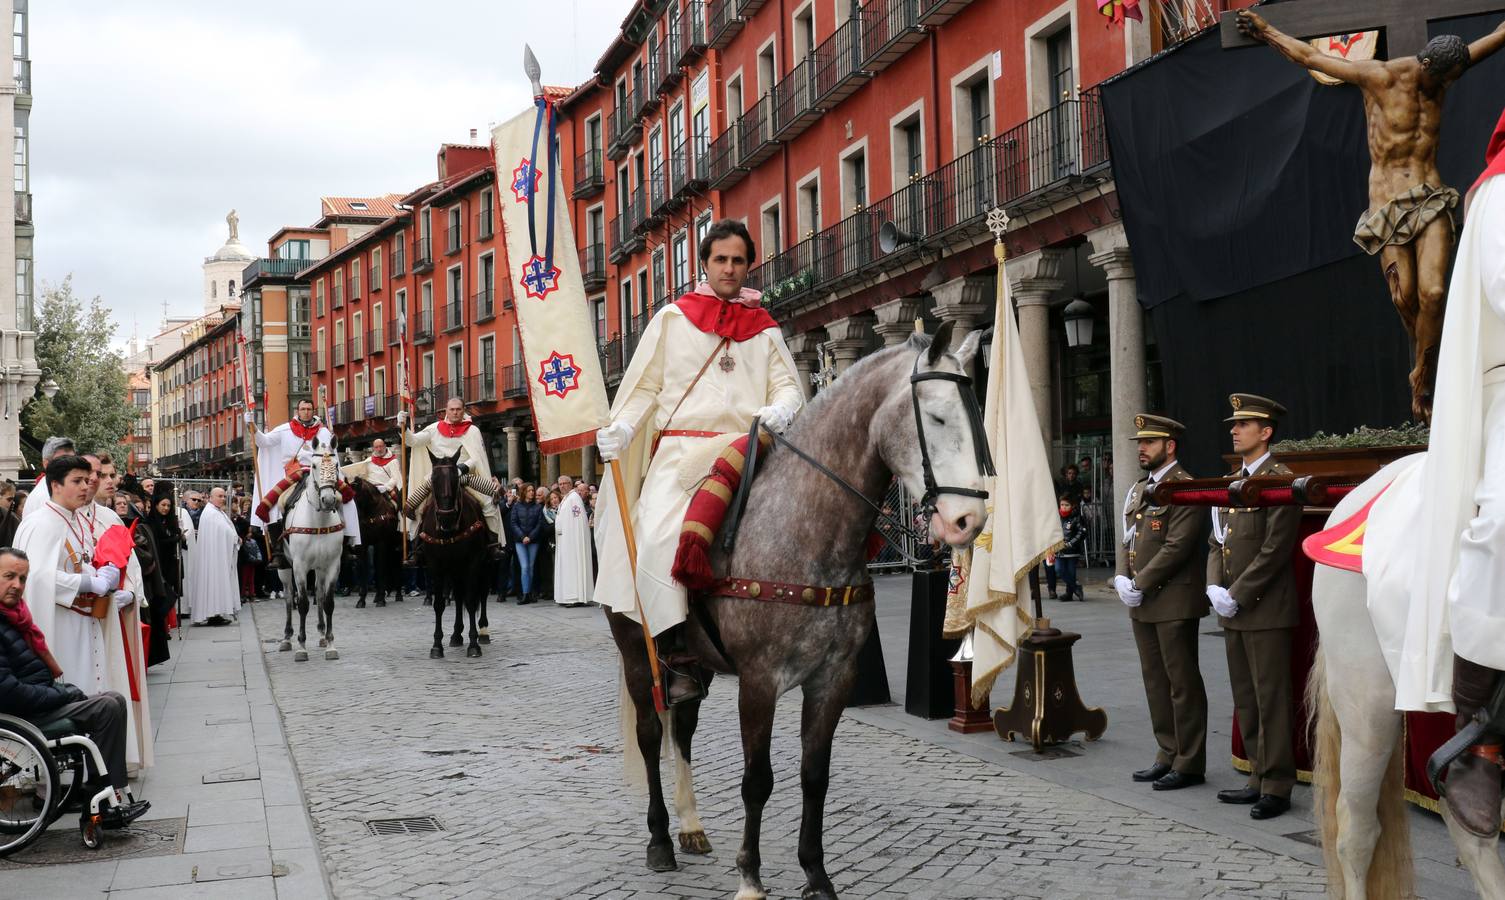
[(544, 123)]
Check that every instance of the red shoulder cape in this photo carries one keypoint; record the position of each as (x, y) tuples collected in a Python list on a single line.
[(453, 431), (729, 320), (304, 432)]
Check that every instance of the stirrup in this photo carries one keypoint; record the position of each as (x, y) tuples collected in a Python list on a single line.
[(1485, 722), (681, 676)]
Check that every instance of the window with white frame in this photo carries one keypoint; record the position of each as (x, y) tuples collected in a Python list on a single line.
[(682, 283)]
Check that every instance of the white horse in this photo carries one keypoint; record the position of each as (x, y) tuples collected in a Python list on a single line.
[(1357, 764), (313, 530)]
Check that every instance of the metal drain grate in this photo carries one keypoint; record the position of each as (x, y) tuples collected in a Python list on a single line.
[(410, 825)]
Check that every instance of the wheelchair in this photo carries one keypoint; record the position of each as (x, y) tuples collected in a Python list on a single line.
[(43, 773)]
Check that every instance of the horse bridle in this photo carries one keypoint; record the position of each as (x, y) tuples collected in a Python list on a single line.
[(933, 490)]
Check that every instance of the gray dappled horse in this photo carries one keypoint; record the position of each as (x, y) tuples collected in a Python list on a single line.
[(800, 527), (313, 530)]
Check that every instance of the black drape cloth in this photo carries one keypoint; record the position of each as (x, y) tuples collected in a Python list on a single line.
[(1241, 180)]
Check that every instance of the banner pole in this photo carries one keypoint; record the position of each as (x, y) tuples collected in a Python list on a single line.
[(632, 567)]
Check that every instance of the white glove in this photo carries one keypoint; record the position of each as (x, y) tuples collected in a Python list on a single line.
[(98, 581), (1222, 601), (402, 418), (777, 418), (250, 418), (1127, 594), (613, 439), (123, 599)]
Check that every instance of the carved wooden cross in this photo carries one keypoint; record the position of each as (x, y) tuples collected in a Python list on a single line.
[(1404, 22)]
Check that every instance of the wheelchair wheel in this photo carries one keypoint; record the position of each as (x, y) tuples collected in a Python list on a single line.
[(29, 787)]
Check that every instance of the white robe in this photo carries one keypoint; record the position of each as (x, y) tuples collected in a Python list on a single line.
[(670, 353), (91, 652), (102, 518), (277, 447), (385, 478), (191, 540), (573, 580), (215, 589), (1434, 546), (472, 449)]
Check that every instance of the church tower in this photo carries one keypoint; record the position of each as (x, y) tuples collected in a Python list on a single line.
[(222, 271)]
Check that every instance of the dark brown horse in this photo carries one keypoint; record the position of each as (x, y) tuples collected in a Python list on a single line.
[(453, 532), (379, 520), (800, 527)]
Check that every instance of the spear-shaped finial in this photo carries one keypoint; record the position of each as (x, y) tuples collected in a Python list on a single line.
[(535, 73)]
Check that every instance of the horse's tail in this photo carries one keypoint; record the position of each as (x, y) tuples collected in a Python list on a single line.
[(1390, 868), (634, 766)]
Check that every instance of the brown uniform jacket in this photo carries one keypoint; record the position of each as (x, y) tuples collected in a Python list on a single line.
[(1254, 562), (1162, 558)]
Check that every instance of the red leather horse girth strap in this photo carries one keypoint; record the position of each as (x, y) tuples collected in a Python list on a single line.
[(796, 594), (686, 432), (430, 539), (327, 529)]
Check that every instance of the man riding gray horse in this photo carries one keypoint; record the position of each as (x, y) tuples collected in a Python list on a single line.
[(287, 453)]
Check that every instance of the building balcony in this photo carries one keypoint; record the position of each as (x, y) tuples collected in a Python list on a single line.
[(721, 160), (375, 280), (452, 317), (626, 127), (611, 359), (755, 140), (590, 175), (374, 342), (355, 289), (23, 76), (23, 207), (423, 255), (320, 363), (485, 224), (637, 210), (660, 197), (838, 65), (668, 55), (1039, 162), (339, 353), (692, 39), (698, 177), (358, 347), (514, 382), (483, 305), (625, 241), (679, 175), (724, 23), (889, 29), (593, 267), (794, 106), (337, 297), (299, 384), (647, 92), (394, 332), (423, 326), (272, 267), (939, 12), (454, 239), (746, 8), (399, 263)]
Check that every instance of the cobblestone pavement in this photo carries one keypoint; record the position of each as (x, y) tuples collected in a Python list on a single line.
[(518, 755)]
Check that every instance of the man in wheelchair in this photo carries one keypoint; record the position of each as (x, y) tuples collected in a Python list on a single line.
[(29, 690)]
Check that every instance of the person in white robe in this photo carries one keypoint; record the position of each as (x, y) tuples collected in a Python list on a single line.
[(1434, 546), (705, 366), (453, 433), (574, 582), (215, 590), (190, 533), (294, 439), (62, 591), (381, 469), (52, 448)]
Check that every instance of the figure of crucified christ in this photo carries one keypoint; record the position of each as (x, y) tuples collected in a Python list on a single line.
[(1409, 223)]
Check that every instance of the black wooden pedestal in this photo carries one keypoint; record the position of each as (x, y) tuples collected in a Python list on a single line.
[(927, 684), (1047, 708)]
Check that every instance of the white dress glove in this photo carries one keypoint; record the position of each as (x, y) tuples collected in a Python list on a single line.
[(613, 439), (98, 581), (1222, 601), (123, 599), (777, 418), (402, 418), (250, 418), (1127, 594)]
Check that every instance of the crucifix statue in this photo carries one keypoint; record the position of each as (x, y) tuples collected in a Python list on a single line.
[(1409, 223)]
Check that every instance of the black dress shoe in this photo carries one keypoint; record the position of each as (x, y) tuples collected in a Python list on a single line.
[(1268, 806), (116, 817), (1175, 781), (1153, 773), (1239, 795)]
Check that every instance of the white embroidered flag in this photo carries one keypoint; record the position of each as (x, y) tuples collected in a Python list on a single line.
[(560, 360)]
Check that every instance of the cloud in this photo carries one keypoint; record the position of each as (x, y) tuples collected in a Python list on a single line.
[(150, 122)]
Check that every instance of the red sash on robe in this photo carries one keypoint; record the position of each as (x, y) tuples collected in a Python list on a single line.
[(729, 320), (453, 431), (304, 432), (381, 460)]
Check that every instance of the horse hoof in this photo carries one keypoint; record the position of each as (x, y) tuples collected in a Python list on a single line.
[(436, 653), (694, 842), (818, 893), (484, 638), (751, 893), (361, 603), (456, 641), (661, 858), (485, 631), (473, 651), (300, 656), (331, 653), (323, 642), (285, 645)]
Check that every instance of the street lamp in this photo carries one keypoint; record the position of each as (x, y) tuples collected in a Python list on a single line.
[(49, 389), (1078, 315)]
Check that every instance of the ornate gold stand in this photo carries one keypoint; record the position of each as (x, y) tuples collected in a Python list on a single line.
[(1047, 708)]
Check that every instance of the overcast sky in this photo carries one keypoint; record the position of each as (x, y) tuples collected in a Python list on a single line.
[(151, 121)]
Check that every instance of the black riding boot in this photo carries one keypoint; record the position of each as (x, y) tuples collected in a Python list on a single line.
[(680, 668), (350, 550), (279, 552), (1473, 785)]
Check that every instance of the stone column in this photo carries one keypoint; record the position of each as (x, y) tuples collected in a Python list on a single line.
[(965, 302), (515, 450), (588, 464), (851, 338), (1125, 352), (550, 468), (805, 348), (896, 319), (1034, 280)]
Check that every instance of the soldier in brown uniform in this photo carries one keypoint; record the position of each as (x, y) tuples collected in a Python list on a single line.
[(1158, 580), (1250, 585)]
